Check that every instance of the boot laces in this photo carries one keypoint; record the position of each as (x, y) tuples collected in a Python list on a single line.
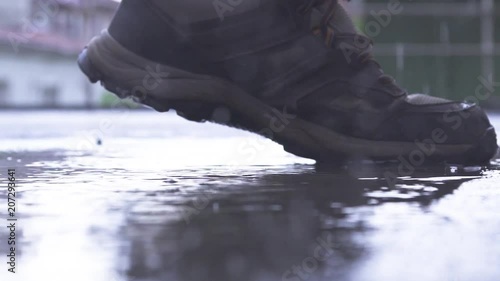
[(363, 55)]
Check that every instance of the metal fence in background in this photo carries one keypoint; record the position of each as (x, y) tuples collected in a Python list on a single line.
[(441, 47)]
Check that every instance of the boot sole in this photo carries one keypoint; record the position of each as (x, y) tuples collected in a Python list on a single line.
[(127, 74)]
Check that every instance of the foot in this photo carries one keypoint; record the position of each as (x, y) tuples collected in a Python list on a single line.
[(314, 89)]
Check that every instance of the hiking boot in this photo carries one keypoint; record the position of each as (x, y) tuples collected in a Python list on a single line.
[(290, 70)]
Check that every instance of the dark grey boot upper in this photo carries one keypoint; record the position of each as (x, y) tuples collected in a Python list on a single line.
[(294, 54)]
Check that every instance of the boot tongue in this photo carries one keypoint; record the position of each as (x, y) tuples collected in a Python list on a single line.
[(330, 21)]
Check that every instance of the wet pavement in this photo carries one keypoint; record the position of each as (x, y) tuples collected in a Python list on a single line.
[(139, 196)]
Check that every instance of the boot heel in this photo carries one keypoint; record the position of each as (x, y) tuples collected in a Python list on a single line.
[(87, 67)]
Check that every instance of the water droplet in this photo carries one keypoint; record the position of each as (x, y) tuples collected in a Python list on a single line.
[(453, 169)]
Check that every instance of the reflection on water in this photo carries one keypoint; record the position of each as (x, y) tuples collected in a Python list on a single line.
[(174, 205)]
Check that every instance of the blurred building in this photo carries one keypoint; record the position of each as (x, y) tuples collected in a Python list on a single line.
[(39, 43)]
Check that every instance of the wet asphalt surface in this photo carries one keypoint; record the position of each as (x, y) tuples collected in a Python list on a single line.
[(139, 196)]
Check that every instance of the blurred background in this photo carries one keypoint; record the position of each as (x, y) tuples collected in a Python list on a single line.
[(121, 196), (39, 43), (437, 47)]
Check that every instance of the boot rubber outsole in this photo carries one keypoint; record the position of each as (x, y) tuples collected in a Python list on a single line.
[(127, 74)]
